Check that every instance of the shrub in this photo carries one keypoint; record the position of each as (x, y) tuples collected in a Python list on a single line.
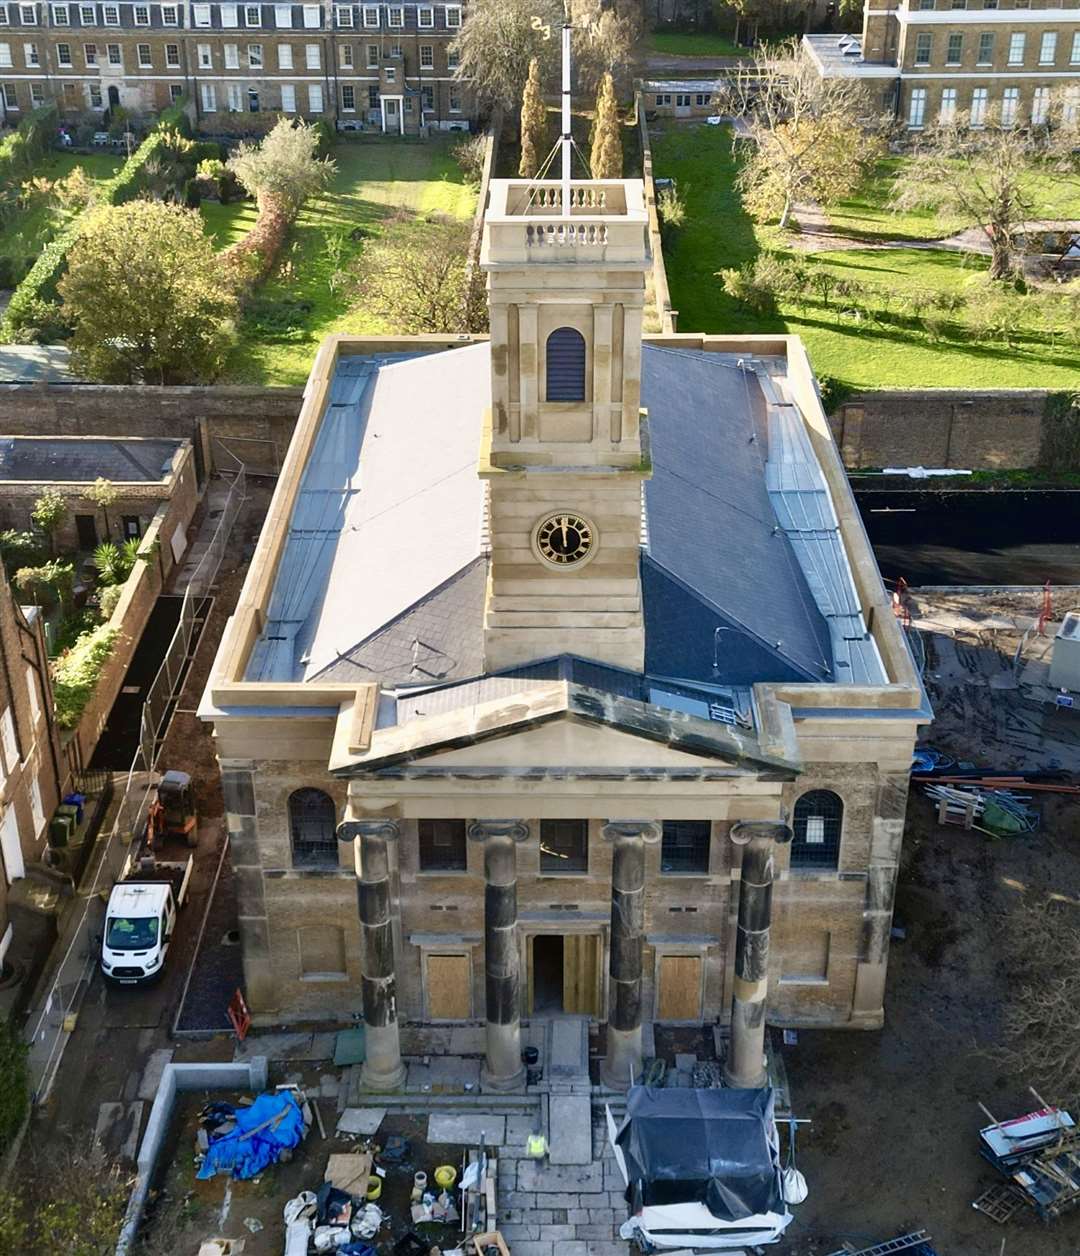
[(49, 584), (76, 673), (109, 564), (470, 155), (22, 148), (284, 169), (14, 1083), (108, 598), (19, 549)]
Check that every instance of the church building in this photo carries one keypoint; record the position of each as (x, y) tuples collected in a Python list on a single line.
[(532, 623)]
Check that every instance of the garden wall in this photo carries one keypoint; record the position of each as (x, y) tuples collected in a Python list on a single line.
[(941, 427), (137, 600), (661, 293)]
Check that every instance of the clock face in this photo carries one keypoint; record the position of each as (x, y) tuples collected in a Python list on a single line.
[(564, 539)]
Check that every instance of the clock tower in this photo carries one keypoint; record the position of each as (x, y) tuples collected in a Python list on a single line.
[(565, 449)]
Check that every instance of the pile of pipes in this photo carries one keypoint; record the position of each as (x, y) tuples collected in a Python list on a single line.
[(995, 812)]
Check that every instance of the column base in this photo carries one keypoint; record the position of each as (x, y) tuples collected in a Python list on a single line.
[(501, 1084), (382, 1082), (736, 1081), (503, 1070), (621, 1066)]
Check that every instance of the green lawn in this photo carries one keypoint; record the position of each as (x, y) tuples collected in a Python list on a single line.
[(27, 232), (687, 44), (718, 234), (296, 307), (226, 224), (867, 215)]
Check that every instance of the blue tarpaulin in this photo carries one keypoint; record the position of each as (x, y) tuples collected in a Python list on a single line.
[(245, 1154)]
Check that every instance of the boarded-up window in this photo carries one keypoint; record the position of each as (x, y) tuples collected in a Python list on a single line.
[(806, 956), (449, 987), (322, 952), (679, 996)]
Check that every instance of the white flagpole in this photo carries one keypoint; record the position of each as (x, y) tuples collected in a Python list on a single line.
[(566, 133)]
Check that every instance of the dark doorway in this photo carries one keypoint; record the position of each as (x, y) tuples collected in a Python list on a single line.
[(114, 97), (547, 974), (253, 100), (86, 529)]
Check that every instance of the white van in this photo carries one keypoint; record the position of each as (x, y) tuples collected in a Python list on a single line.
[(139, 923)]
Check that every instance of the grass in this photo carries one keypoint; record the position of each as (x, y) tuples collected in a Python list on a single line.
[(867, 215), (718, 233), (227, 224), (28, 231), (689, 44), (297, 306)]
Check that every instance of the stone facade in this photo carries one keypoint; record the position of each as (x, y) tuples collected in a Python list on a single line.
[(560, 845), (372, 67), (926, 60)]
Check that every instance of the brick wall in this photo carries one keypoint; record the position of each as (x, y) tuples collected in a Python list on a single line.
[(941, 428)]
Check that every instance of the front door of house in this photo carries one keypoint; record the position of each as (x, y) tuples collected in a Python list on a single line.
[(86, 530)]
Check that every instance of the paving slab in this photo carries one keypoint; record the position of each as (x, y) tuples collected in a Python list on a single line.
[(533, 1176), (153, 1073), (568, 1048), (571, 1130), (286, 1047), (360, 1121), (468, 1040), (467, 1128)]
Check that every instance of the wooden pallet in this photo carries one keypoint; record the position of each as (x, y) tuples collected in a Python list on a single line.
[(1000, 1202)]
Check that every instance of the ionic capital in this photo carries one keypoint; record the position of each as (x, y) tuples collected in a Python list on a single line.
[(481, 830), (650, 831), (349, 830), (746, 831)]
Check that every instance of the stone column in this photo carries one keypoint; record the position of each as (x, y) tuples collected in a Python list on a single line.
[(502, 1069), (622, 1063), (382, 1069), (745, 1064)]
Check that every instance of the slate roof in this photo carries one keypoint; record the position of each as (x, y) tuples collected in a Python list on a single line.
[(82, 461), (725, 597), (385, 566)]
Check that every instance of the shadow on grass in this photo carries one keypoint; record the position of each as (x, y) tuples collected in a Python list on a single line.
[(718, 232)]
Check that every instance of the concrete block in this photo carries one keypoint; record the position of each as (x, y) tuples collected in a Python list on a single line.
[(613, 1179), (468, 1128), (601, 1216), (558, 1233), (571, 1129), (555, 1177), (557, 1201)]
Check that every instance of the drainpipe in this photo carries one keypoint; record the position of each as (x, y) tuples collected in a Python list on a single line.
[(744, 1067)]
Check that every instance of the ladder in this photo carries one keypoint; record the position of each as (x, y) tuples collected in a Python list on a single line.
[(902, 1244)]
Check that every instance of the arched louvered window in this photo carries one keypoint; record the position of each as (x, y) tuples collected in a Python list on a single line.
[(565, 365), (313, 829), (818, 820)]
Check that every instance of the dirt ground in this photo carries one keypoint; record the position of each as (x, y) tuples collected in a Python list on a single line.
[(187, 1211), (893, 1145)]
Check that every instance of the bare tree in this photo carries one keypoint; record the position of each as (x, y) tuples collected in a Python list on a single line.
[(996, 175), (809, 137), (1042, 952), (416, 277), (499, 38)]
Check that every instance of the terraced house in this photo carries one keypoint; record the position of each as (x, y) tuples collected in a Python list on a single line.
[(384, 67), (925, 60)]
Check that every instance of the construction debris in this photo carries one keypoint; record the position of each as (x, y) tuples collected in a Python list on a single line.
[(1039, 1154)]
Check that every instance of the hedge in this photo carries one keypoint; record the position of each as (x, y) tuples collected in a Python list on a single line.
[(39, 288), (22, 148)]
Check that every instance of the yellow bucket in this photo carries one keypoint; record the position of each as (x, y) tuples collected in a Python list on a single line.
[(445, 1176), (374, 1187)]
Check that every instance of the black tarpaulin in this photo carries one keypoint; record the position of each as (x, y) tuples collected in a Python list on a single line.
[(709, 1146)]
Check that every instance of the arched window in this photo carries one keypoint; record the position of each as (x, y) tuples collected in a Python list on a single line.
[(819, 817), (565, 365), (313, 829)]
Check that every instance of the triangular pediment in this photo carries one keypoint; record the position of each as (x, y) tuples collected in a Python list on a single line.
[(566, 727)]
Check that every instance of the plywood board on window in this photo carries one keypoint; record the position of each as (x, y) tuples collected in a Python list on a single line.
[(679, 996), (449, 987)]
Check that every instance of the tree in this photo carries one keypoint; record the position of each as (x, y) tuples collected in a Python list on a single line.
[(497, 43), (284, 168), (49, 512), (416, 277), (146, 297), (103, 493), (65, 1200), (995, 175), (533, 123), (499, 38), (605, 160), (807, 139)]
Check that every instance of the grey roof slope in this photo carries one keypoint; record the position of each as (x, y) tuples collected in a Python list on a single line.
[(83, 461), (725, 596)]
